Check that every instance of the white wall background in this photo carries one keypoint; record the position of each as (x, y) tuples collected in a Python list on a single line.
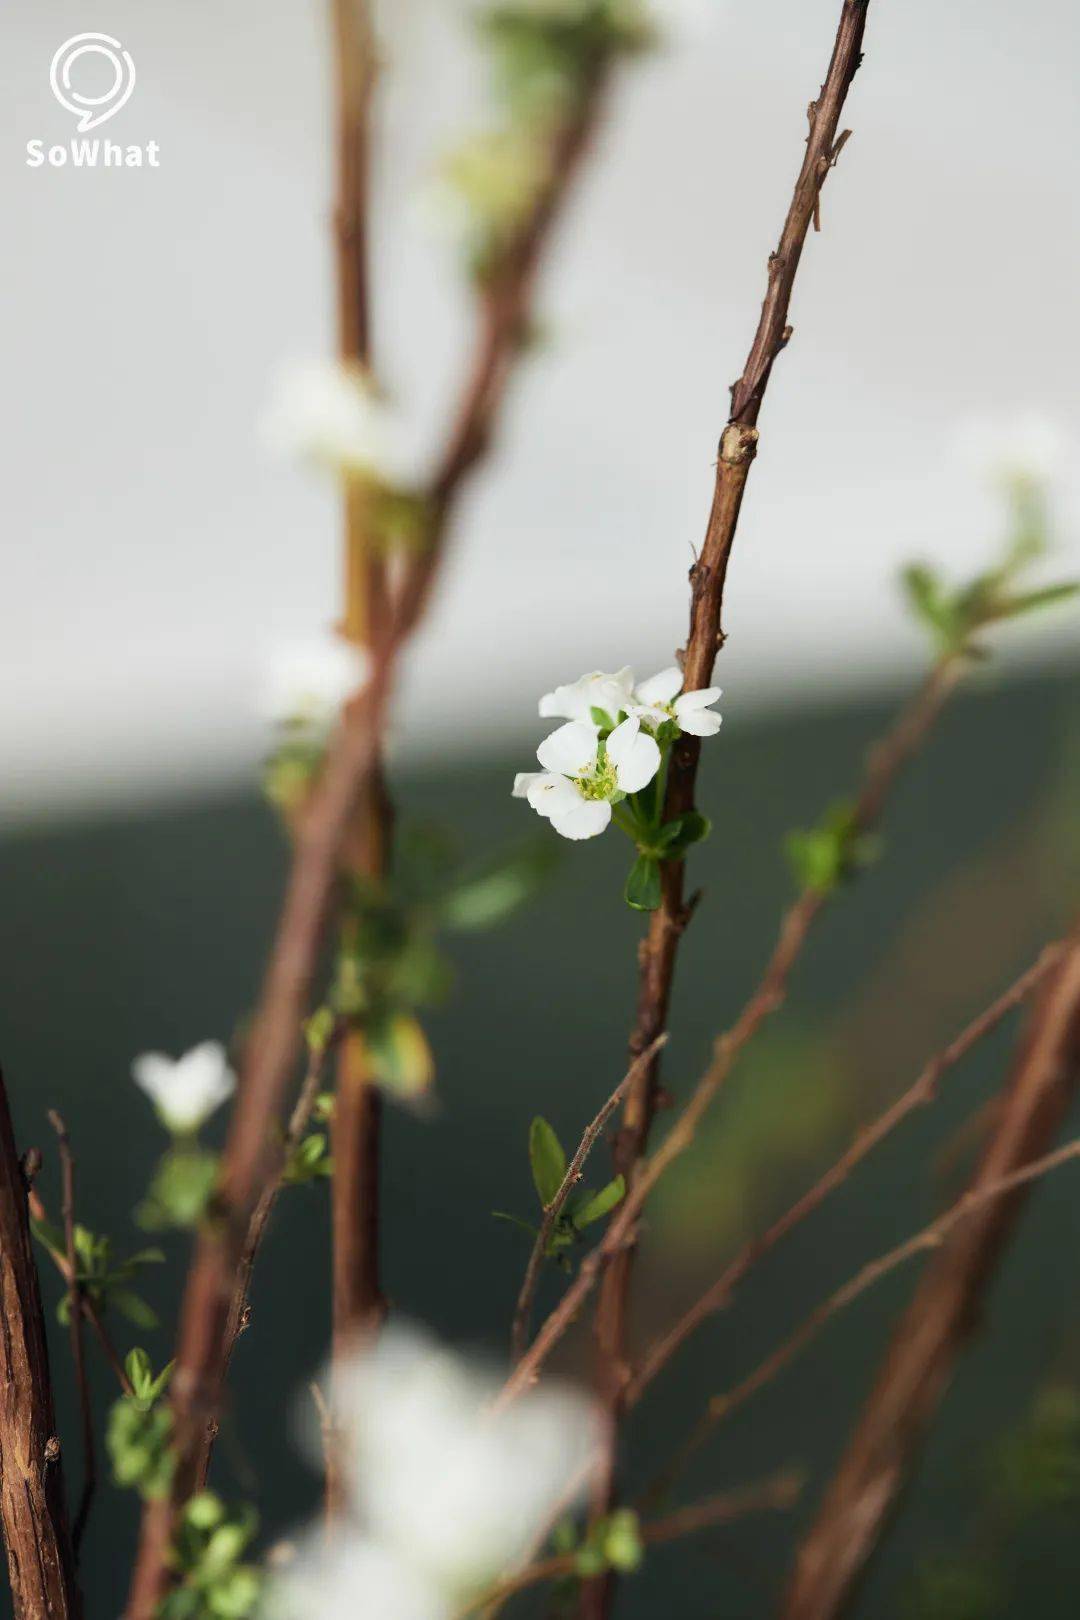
[(152, 552)]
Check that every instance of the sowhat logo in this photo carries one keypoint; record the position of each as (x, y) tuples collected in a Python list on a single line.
[(92, 76)]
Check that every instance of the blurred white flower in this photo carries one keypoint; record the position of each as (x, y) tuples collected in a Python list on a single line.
[(186, 1090), (352, 1578), (609, 693), (331, 415), (576, 788), (1025, 448), (310, 680), (657, 700), (454, 1492)]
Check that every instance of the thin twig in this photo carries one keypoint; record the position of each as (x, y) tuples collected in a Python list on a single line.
[(239, 1305), (930, 1237), (884, 764), (553, 1210), (75, 1325), (775, 1494), (924, 1091), (89, 1309), (33, 1511), (738, 447), (946, 1306)]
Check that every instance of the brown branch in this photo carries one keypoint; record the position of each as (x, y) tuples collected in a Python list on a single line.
[(41, 1563), (945, 1309), (89, 1309), (506, 302), (924, 1091), (251, 1155), (738, 447), (776, 1494), (930, 1237), (523, 1313), (75, 1323), (884, 764)]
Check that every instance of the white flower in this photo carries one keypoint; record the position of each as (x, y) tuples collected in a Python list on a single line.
[(185, 1091), (577, 785), (1026, 448), (609, 693), (310, 680), (352, 1577), (330, 414), (657, 700), (439, 1482)]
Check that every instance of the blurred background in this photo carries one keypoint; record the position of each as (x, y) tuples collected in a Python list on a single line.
[(157, 555)]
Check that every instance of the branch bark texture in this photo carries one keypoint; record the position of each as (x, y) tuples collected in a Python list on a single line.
[(41, 1564)]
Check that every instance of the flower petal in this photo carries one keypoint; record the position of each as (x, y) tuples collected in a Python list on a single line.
[(523, 781), (551, 795), (634, 754), (585, 820), (661, 688), (595, 690), (571, 750), (700, 722)]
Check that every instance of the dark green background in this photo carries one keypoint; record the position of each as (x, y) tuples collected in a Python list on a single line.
[(149, 929)]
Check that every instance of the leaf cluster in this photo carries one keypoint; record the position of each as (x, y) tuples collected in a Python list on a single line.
[(583, 1206), (102, 1279), (214, 1582)]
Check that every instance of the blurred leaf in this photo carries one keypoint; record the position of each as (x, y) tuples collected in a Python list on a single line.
[(547, 1160), (500, 887), (401, 1059)]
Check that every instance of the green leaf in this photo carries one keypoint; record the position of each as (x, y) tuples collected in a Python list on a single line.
[(140, 1372), (513, 1220), (622, 1540), (547, 1159), (601, 718), (1031, 601), (50, 1237), (499, 888), (596, 1205), (643, 889), (131, 1305), (677, 836)]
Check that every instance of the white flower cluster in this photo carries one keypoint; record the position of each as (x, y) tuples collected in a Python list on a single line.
[(186, 1090), (608, 748), (443, 1496)]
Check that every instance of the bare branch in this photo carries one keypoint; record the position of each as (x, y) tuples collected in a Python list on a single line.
[(946, 1306), (776, 1494), (930, 1237), (738, 447), (553, 1210), (924, 1091)]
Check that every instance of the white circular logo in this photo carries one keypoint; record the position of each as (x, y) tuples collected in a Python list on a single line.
[(92, 110)]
